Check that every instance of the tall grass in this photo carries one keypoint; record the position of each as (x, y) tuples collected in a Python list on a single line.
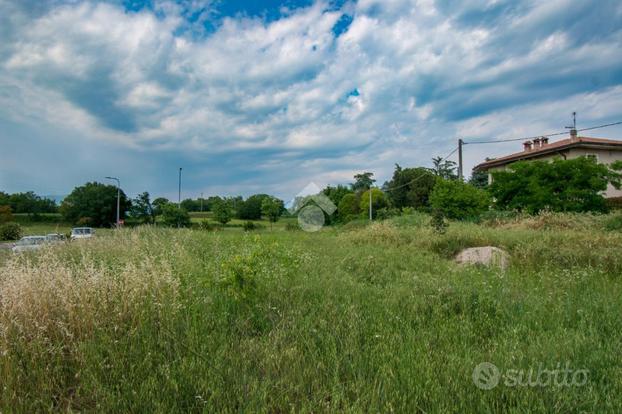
[(376, 318)]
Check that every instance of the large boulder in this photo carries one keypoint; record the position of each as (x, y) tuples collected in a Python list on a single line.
[(487, 256)]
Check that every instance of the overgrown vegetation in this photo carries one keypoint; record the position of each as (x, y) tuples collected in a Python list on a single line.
[(357, 318)]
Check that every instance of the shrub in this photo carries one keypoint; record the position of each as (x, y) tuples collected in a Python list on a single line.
[(249, 226), (222, 212), (378, 201), (458, 200), (6, 214), (292, 227), (348, 207), (386, 213), (438, 222), (614, 223), (206, 225), (174, 216), (10, 231)]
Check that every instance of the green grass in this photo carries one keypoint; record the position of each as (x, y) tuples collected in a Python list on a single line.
[(351, 319)]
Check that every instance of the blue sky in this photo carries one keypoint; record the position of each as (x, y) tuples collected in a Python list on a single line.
[(267, 96)]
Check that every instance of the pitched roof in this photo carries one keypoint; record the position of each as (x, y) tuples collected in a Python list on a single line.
[(552, 148)]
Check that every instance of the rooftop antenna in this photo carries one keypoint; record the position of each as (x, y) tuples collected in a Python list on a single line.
[(573, 128)]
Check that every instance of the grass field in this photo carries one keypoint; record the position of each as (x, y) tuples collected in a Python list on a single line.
[(351, 319)]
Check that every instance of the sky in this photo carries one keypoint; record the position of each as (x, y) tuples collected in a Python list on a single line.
[(269, 96)]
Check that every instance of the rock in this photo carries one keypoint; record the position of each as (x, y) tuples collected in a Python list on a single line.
[(487, 255)]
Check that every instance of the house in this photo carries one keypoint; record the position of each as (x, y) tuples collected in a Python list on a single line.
[(606, 151)]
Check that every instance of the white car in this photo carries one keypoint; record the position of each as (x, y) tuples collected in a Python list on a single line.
[(54, 238), (28, 243), (82, 233)]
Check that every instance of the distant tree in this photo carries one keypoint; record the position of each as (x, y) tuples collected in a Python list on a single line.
[(335, 194), (444, 169), (410, 187), (95, 201), (234, 203), (28, 203), (158, 204), (458, 200), (349, 207), (363, 181), (560, 185), (174, 216), (479, 179), (6, 214), (222, 212), (378, 201), (142, 209), (250, 209), (210, 201), (272, 208), (191, 205)]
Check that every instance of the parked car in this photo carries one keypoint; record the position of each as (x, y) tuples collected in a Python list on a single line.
[(82, 233), (54, 238), (28, 243)]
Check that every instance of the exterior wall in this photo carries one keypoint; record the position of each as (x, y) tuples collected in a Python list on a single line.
[(603, 156)]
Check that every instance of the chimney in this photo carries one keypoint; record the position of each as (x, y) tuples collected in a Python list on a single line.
[(536, 143), (573, 134), (527, 145), (544, 141)]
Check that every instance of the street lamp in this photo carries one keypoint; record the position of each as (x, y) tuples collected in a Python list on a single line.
[(179, 194), (118, 197)]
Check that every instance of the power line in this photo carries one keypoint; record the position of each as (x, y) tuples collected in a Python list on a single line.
[(545, 135)]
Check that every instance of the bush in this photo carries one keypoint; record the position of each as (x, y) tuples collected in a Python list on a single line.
[(292, 227), (174, 216), (387, 213), (6, 214), (458, 200), (614, 223), (249, 226), (10, 231)]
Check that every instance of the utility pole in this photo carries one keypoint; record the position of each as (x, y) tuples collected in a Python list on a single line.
[(370, 216), (460, 172), (118, 198), (179, 194)]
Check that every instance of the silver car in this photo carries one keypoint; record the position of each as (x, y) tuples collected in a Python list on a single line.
[(54, 238), (82, 233), (28, 243)]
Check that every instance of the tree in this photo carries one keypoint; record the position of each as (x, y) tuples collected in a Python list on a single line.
[(378, 201), (175, 216), (272, 208), (560, 185), (444, 169), (458, 200), (96, 202), (158, 204), (191, 205), (222, 212), (363, 181), (410, 187), (6, 214), (479, 179), (348, 207), (142, 209), (250, 209), (335, 194), (28, 203)]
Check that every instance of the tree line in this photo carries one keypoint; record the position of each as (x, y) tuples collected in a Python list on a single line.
[(574, 185)]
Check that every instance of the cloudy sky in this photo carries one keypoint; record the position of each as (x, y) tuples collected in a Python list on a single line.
[(267, 96)]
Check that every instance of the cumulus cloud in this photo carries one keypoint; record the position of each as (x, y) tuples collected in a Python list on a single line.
[(319, 92)]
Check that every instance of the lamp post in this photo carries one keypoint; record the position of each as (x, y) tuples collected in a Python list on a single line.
[(118, 197), (179, 194)]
